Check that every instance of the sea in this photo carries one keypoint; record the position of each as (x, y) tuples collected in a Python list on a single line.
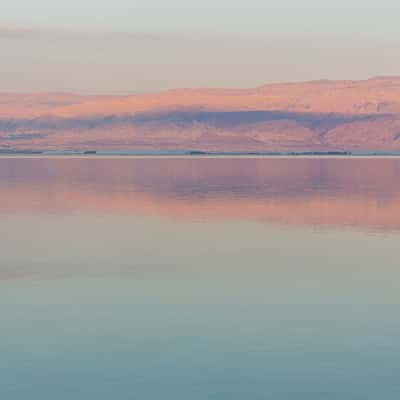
[(199, 277)]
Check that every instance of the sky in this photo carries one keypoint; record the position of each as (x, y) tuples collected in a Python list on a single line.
[(129, 46)]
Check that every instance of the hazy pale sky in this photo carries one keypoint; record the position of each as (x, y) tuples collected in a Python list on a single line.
[(140, 45)]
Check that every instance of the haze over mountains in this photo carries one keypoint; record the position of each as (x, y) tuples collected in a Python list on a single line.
[(310, 116)]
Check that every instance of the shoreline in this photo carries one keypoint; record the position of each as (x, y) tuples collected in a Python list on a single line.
[(196, 156)]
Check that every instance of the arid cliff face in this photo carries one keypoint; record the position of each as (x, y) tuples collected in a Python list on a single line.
[(310, 116)]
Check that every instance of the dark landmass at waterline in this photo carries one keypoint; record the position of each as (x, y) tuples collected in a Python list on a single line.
[(190, 153)]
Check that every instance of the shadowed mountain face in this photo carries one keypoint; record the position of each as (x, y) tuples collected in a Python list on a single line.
[(319, 116)]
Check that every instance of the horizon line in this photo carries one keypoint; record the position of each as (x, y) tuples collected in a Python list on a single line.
[(193, 88)]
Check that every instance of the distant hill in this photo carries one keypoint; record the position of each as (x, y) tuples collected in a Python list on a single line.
[(309, 116)]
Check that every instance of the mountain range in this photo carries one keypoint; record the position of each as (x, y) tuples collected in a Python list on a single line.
[(310, 116)]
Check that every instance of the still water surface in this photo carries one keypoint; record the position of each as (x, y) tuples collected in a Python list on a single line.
[(199, 278)]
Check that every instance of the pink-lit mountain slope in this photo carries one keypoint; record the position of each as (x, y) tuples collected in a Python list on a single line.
[(310, 116)]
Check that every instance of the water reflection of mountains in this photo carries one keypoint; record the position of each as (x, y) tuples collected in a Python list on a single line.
[(335, 192)]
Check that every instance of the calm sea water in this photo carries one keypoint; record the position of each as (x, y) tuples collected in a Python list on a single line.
[(199, 278)]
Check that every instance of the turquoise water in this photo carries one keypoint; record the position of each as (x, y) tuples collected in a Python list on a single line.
[(199, 278)]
